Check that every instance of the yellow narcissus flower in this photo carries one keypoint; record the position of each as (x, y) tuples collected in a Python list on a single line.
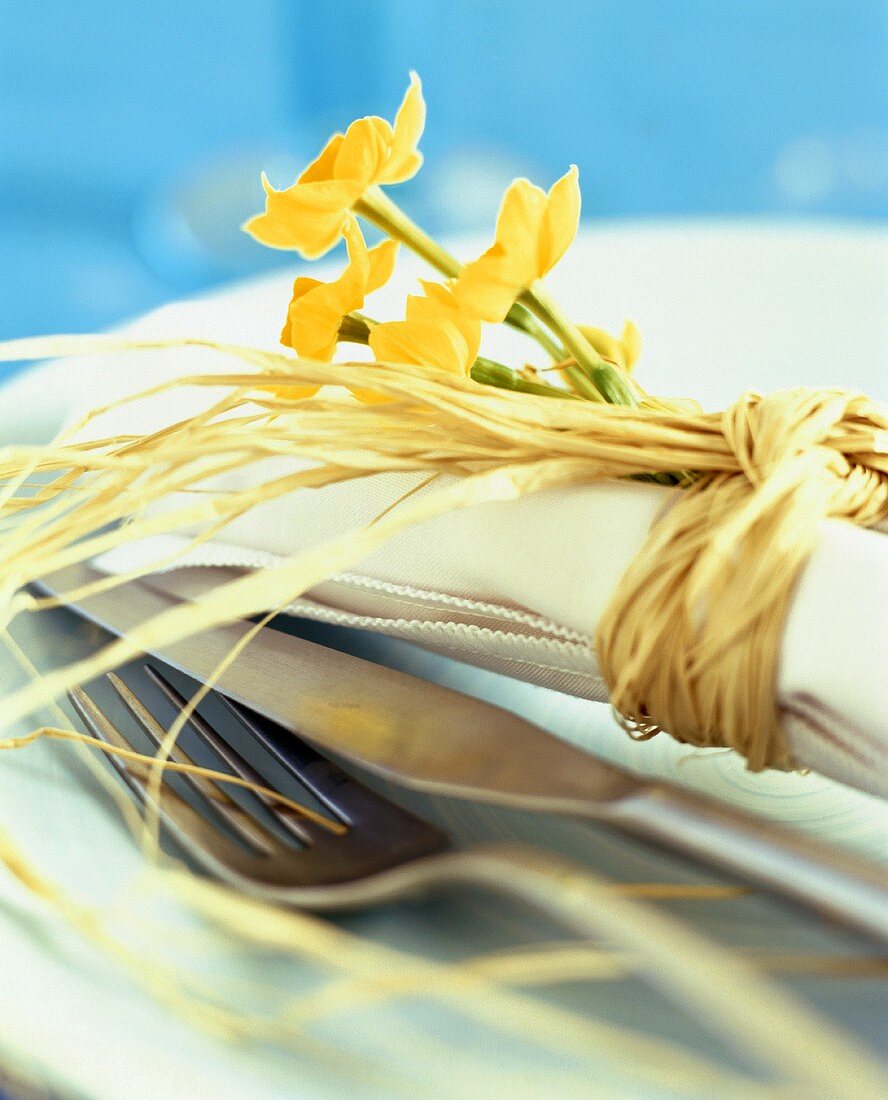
[(310, 216), (533, 231), (623, 352), (316, 309), (437, 333)]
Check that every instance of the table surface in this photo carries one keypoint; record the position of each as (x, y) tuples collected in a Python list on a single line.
[(789, 303)]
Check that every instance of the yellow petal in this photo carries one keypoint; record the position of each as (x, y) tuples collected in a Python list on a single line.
[(404, 160), (559, 223), (488, 286), (316, 311), (518, 223), (436, 305), (430, 345), (289, 392), (303, 285), (370, 397), (313, 324), (354, 277), (631, 340), (363, 152), (533, 231), (382, 264), (624, 352), (300, 288), (607, 346), (307, 217), (440, 306), (322, 167)]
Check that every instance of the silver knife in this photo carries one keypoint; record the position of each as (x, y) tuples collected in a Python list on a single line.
[(434, 739)]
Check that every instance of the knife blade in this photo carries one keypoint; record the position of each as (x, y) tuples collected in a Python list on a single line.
[(406, 729), (434, 739)]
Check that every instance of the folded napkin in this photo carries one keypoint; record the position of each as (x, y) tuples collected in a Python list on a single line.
[(517, 587)]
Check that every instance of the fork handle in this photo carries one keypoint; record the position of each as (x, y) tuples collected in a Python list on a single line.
[(828, 880)]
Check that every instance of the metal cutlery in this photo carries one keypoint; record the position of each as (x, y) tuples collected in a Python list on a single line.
[(372, 851), (273, 848), (377, 853), (434, 739)]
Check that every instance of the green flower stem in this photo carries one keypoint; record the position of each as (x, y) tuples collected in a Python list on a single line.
[(522, 319), (378, 209), (543, 305), (607, 380), (491, 373), (581, 382)]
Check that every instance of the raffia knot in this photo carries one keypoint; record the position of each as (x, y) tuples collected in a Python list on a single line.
[(690, 641)]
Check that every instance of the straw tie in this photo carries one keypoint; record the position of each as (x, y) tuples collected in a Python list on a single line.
[(690, 641)]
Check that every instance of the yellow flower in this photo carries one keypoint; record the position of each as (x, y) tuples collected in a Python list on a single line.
[(310, 216), (316, 309), (623, 352), (533, 231), (436, 333)]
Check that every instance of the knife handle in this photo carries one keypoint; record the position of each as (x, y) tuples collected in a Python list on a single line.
[(833, 882)]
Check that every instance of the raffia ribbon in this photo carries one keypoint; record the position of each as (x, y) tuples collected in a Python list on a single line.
[(690, 641)]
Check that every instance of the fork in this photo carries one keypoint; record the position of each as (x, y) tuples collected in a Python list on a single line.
[(312, 865), (373, 851)]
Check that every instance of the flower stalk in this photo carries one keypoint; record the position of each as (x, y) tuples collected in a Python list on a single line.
[(608, 381), (490, 373)]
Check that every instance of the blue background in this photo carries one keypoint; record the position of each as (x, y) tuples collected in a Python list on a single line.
[(132, 135)]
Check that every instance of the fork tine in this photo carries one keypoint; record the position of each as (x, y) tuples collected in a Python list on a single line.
[(327, 870), (344, 795), (193, 830), (238, 765), (99, 726), (374, 823), (237, 819)]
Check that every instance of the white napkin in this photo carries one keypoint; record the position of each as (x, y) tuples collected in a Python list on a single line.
[(518, 587)]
